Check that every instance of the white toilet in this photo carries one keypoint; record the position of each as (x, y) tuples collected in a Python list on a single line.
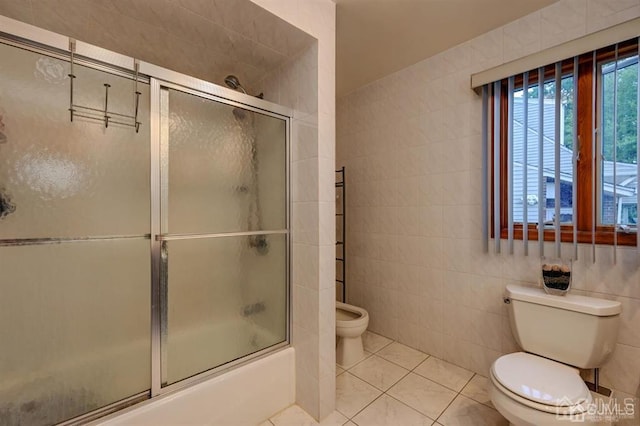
[(540, 387), (351, 322)]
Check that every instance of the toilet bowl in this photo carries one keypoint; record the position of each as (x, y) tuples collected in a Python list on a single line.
[(351, 322)]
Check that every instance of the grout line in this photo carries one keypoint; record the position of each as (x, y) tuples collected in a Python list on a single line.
[(398, 381), (371, 402), (357, 363), (393, 384), (375, 352), (441, 384), (472, 398), (409, 371), (423, 361), (447, 407), (407, 405), (456, 397), (380, 335), (468, 381), (365, 407)]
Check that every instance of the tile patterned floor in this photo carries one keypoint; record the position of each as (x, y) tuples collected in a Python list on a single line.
[(396, 385)]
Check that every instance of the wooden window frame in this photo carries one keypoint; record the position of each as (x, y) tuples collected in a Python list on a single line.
[(584, 174)]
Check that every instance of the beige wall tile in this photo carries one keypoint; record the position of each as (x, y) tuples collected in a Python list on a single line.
[(562, 21), (522, 37), (313, 100), (605, 13)]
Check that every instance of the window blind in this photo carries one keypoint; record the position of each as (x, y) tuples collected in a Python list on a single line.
[(531, 128)]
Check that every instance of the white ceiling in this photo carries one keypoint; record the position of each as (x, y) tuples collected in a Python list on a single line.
[(378, 37)]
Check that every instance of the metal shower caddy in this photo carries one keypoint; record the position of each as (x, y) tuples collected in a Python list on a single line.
[(104, 115)]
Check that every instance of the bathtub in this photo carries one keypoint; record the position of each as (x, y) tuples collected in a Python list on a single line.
[(193, 349), (244, 396)]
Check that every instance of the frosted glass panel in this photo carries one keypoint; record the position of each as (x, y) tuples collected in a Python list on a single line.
[(226, 299), (226, 168), (64, 179), (74, 327)]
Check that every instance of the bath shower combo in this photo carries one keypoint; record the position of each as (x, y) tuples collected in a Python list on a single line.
[(146, 239)]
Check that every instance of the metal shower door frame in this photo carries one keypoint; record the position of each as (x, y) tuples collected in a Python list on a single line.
[(28, 37), (159, 89)]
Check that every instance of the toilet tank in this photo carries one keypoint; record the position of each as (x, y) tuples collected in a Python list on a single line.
[(576, 330)]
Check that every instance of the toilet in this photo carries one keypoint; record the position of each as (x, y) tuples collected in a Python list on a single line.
[(559, 334), (351, 322)]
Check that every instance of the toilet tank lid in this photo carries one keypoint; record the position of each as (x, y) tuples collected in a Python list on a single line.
[(571, 302)]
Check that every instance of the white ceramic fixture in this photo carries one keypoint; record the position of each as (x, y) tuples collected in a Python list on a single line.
[(540, 387), (351, 322)]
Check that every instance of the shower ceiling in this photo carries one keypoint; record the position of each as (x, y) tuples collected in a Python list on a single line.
[(378, 37), (206, 39)]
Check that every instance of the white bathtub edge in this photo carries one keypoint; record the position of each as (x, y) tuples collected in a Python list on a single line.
[(244, 396)]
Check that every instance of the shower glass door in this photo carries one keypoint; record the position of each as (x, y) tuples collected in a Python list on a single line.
[(74, 243), (131, 260), (222, 237)]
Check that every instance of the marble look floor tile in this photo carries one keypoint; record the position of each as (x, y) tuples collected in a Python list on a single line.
[(386, 411), (292, 416), (422, 394), (339, 370), (478, 390), (374, 342), (366, 354), (629, 407), (402, 355), (444, 373), (353, 394), (296, 416), (334, 419), (467, 412), (378, 372)]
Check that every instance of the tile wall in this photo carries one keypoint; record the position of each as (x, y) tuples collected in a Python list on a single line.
[(307, 84), (411, 145)]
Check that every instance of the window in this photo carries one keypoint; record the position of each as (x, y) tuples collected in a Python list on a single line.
[(619, 112), (567, 136)]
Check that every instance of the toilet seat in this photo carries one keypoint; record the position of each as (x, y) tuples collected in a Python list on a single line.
[(358, 318), (541, 383)]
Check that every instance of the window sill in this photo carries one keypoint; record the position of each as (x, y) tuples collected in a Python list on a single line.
[(603, 235)]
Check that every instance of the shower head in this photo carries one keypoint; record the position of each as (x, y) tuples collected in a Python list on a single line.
[(233, 82)]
